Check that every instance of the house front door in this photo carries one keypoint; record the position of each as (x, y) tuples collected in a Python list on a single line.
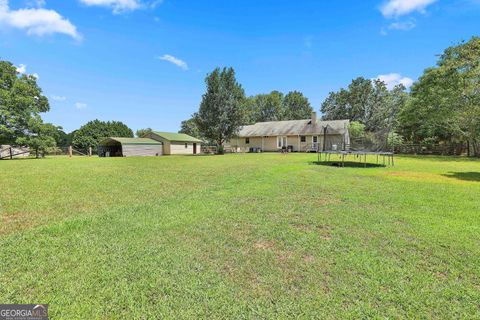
[(194, 148), (282, 142)]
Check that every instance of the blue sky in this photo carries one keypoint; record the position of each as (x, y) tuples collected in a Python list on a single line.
[(143, 62)]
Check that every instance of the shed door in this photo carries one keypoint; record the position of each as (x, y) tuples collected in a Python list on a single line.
[(194, 148)]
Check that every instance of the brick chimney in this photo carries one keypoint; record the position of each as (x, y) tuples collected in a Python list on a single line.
[(314, 118)]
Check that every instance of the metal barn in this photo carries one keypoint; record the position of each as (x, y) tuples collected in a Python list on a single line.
[(129, 147)]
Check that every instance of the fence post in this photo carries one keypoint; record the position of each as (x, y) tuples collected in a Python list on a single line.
[(89, 151), (70, 151), (11, 154)]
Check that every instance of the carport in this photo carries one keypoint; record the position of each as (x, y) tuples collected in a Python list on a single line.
[(129, 147)]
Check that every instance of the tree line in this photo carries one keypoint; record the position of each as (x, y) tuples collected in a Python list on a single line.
[(443, 106), (21, 103), (224, 108)]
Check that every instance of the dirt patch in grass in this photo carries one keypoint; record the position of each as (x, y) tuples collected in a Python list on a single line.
[(308, 258), (264, 245)]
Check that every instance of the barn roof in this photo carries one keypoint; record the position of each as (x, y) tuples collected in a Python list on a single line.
[(294, 127), (180, 137), (137, 141)]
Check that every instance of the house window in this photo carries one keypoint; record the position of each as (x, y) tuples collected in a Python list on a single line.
[(314, 139), (186, 145), (303, 139), (247, 140)]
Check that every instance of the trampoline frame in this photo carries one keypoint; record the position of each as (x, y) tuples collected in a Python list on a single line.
[(387, 157)]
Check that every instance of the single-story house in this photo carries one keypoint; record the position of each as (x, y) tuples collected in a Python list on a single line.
[(296, 135), (176, 143), (128, 147)]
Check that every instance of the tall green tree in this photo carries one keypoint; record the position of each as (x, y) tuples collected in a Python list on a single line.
[(41, 136), (221, 111), (249, 110), (263, 107), (90, 134), (296, 106), (368, 102), (445, 102), (353, 103), (21, 102), (190, 127), (142, 132), (269, 107), (61, 137)]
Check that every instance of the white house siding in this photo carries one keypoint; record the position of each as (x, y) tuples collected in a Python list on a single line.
[(176, 147), (139, 150), (179, 148), (270, 144)]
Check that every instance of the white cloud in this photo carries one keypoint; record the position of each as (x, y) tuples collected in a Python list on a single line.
[(397, 8), (36, 3), (58, 98), (121, 6), (393, 79), (38, 22), (80, 105), (399, 26), (155, 4), (402, 25), (179, 63), (22, 68), (118, 6)]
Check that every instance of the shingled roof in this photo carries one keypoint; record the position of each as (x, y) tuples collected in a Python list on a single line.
[(294, 127)]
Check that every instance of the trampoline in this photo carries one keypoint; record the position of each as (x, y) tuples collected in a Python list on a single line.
[(382, 157)]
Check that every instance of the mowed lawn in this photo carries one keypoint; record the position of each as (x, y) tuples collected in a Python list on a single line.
[(241, 236)]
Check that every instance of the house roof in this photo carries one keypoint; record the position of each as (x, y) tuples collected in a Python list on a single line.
[(138, 141), (180, 137), (294, 127)]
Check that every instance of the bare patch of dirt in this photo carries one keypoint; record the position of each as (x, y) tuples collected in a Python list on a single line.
[(308, 258), (264, 245), (324, 232)]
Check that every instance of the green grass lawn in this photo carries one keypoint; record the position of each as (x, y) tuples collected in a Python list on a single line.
[(241, 236)]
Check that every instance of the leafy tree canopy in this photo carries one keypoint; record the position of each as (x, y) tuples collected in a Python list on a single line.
[(41, 137), (142, 132), (296, 106), (275, 106), (221, 111), (445, 102), (90, 134), (368, 102), (21, 102), (190, 127)]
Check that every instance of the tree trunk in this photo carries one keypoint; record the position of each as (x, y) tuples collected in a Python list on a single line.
[(220, 146)]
